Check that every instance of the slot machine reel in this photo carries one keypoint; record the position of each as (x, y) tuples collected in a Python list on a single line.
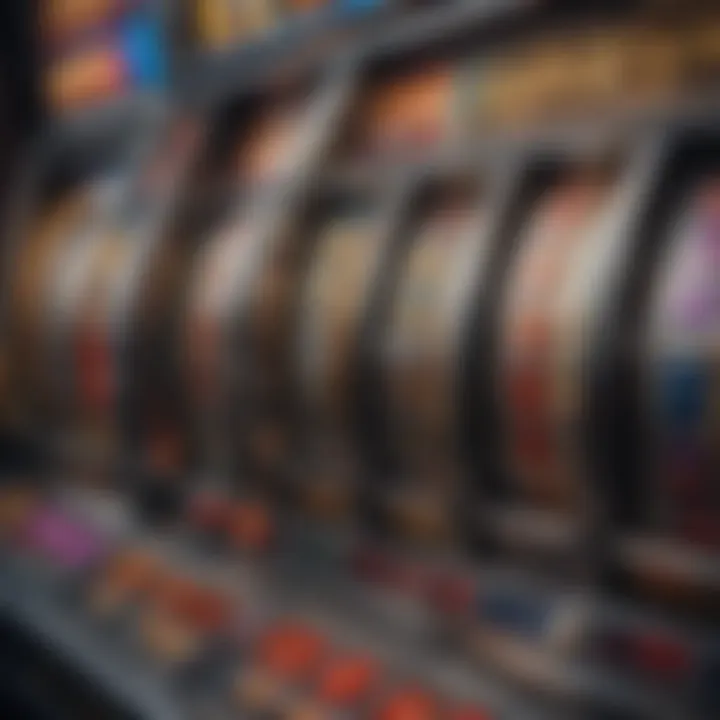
[(96, 330), (444, 249), (351, 234), (36, 260), (73, 187), (39, 301), (531, 342), (683, 355), (669, 547), (559, 282), (645, 410)]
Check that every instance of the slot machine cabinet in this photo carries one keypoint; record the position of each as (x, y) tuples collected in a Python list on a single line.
[(233, 319), (62, 206), (654, 404), (201, 181), (234, 165), (574, 233), (108, 348), (45, 233), (682, 330), (401, 115)]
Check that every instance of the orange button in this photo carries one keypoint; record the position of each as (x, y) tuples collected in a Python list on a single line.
[(133, 571), (197, 607)]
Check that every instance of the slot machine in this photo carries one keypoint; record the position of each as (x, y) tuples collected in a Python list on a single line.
[(660, 407), (64, 207), (235, 318)]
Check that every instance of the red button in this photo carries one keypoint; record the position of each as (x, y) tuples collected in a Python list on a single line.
[(409, 704), (345, 681), (292, 650), (206, 611)]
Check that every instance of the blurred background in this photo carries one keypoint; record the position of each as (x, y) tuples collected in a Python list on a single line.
[(360, 358)]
